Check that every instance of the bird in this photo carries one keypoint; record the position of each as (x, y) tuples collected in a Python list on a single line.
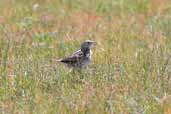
[(81, 58)]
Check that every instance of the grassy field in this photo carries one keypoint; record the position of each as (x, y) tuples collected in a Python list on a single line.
[(131, 65)]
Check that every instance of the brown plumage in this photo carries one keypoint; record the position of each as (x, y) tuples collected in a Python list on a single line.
[(81, 58)]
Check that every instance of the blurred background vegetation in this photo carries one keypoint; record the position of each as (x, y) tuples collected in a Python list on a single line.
[(131, 66)]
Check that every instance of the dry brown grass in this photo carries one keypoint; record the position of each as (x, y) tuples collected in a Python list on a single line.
[(130, 70)]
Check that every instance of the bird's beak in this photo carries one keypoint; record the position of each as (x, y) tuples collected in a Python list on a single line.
[(93, 43)]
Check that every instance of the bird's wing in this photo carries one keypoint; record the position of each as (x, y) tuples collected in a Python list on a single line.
[(77, 53), (75, 57)]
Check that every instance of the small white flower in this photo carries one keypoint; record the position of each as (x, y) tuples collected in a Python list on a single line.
[(35, 6)]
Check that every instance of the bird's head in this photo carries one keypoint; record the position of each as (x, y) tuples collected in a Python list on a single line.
[(87, 44)]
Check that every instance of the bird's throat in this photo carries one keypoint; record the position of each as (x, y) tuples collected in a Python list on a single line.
[(86, 52)]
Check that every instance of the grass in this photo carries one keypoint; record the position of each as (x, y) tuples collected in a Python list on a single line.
[(130, 70)]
